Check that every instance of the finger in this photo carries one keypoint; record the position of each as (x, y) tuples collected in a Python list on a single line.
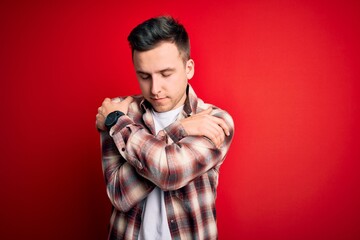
[(99, 116), (129, 99), (116, 100), (220, 135), (106, 102), (126, 102), (215, 133), (217, 140), (99, 125), (225, 128), (222, 124), (212, 137)]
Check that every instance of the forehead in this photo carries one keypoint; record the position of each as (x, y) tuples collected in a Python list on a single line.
[(163, 55)]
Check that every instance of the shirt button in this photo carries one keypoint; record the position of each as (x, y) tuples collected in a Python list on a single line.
[(139, 165), (123, 149)]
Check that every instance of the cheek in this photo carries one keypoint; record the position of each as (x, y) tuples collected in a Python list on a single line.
[(143, 86), (183, 81), (179, 80)]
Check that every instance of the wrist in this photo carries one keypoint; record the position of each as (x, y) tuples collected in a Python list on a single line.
[(112, 119)]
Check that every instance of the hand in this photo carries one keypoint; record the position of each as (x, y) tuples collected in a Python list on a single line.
[(109, 106), (204, 124)]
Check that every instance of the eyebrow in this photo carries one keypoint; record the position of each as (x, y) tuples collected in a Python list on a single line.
[(161, 71)]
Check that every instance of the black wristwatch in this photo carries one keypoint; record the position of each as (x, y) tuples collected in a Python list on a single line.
[(112, 118)]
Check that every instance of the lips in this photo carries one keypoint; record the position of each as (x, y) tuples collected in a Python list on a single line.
[(158, 99)]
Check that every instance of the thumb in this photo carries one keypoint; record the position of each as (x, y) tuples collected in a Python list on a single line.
[(128, 100)]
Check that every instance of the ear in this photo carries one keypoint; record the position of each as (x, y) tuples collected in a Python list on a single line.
[(190, 69)]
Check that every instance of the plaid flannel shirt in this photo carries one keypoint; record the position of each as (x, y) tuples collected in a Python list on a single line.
[(185, 167)]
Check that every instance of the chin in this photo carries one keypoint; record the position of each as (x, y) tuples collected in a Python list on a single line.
[(161, 109)]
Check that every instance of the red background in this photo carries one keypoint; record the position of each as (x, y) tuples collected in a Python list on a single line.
[(287, 71)]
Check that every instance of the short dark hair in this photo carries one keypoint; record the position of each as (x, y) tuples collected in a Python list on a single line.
[(148, 34)]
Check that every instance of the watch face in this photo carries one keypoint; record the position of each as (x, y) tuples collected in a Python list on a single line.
[(110, 119)]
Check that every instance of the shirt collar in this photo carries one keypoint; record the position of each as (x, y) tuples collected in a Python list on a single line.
[(189, 106)]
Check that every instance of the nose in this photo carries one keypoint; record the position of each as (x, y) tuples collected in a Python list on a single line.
[(155, 86)]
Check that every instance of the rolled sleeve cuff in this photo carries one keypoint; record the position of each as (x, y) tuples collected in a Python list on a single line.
[(176, 131), (120, 133), (122, 122)]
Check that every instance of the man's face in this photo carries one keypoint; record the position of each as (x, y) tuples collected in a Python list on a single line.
[(163, 76)]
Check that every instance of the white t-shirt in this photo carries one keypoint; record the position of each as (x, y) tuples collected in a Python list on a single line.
[(154, 224)]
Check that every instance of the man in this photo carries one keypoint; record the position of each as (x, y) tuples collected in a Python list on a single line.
[(161, 152)]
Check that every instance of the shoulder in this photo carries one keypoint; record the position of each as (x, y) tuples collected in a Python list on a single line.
[(217, 112)]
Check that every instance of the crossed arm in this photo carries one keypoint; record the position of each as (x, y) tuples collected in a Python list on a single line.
[(145, 160), (201, 124), (124, 186)]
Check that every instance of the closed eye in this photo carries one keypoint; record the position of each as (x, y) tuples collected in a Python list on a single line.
[(144, 76), (166, 75)]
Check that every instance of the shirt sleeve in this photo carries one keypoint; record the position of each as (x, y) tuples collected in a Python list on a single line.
[(125, 187), (171, 159)]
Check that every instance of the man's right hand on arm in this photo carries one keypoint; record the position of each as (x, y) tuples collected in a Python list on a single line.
[(110, 105)]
